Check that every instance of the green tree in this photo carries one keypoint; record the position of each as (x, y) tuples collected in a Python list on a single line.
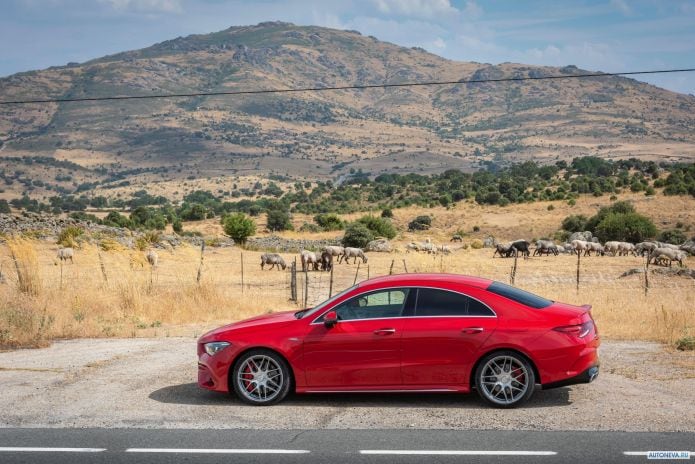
[(279, 220), (420, 223), (674, 236), (630, 227), (329, 221), (177, 225), (357, 235), (4, 207), (379, 226), (574, 223), (239, 227)]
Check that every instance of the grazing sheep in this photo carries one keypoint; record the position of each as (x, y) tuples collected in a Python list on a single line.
[(152, 258), (626, 248), (446, 249), (545, 246), (334, 250), (456, 238), (504, 250), (612, 247), (643, 248), (521, 246), (597, 248), (66, 253), (326, 261), (429, 248), (353, 253), (581, 246), (412, 246), (273, 259), (309, 259), (667, 254)]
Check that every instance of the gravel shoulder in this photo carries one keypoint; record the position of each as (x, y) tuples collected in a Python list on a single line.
[(150, 383)]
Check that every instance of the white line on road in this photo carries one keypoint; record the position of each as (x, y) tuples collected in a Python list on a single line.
[(460, 452), (17, 449), (216, 451)]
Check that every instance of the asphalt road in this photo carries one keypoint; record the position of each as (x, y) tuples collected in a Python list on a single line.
[(74, 446)]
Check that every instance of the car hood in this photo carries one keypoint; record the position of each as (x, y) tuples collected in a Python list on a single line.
[(282, 317)]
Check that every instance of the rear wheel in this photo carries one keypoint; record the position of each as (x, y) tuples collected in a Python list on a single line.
[(261, 377), (505, 379)]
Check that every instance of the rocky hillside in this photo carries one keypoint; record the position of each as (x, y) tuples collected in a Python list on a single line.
[(172, 146)]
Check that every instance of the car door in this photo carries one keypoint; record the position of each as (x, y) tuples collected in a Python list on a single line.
[(363, 349), (441, 341)]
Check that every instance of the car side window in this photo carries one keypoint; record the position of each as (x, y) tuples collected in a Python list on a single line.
[(434, 302), (374, 305)]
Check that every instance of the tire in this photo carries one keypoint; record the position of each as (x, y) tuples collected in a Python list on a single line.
[(260, 377), (505, 379)]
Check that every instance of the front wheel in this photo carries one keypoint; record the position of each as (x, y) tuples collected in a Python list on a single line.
[(505, 379), (261, 377)]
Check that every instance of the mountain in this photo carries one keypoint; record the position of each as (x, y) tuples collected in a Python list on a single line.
[(171, 146)]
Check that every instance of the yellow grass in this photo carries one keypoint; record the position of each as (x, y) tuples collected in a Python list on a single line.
[(129, 299)]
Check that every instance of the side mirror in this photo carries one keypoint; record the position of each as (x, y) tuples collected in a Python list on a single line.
[(330, 319)]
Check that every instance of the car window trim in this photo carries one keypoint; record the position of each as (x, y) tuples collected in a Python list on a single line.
[(376, 290), (414, 316)]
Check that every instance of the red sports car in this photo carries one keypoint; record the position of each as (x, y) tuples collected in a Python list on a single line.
[(407, 333)]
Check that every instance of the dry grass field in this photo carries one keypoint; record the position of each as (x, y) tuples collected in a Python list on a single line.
[(116, 294)]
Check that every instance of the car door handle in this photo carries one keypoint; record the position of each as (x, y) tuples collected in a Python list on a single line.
[(384, 331), (472, 330)]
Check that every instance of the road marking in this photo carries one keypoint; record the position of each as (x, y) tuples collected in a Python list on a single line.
[(460, 452), (10, 449), (216, 451)]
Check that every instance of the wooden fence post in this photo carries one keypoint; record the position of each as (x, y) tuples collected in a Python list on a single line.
[(405, 267), (330, 284), (103, 268), (200, 266), (512, 274), (306, 285), (579, 258), (391, 268), (356, 272), (646, 277), (293, 281)]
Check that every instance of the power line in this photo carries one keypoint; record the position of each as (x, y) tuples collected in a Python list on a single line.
[(343, 87)]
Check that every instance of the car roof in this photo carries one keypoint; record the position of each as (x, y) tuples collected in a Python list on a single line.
[(424, 278)]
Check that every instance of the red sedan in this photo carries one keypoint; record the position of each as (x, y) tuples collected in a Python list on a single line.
[(407, 333)]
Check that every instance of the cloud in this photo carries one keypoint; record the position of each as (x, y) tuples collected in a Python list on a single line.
[(439, 43), (472, 10), (144, 6), (416, 8), (621, 6)]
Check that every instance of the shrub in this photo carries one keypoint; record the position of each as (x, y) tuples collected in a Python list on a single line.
[(329, 222), (239, 227), (649, 191), (4, 207), (115, 219), (630, 227), (685, 343), (574, 223), (357, 235), (550, 207), (177, 226), (308, 227), (420, 223), (476, 228), (279, 220), (379, 226), (673, 236), (477, 244), (386, 213), (68, 236)]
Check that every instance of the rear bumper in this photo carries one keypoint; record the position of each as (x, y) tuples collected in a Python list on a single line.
[(587, 376)]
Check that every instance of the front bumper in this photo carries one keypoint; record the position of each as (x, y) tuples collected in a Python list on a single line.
[(587, 376)]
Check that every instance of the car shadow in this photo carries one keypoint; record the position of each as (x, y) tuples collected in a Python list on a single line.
[(191, 394)]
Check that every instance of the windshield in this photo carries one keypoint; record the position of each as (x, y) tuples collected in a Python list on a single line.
[(308, 312)]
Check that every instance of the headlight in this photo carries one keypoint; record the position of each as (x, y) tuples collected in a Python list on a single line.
[(215, 347)]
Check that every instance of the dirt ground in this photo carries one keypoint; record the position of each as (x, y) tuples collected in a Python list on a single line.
[(150, 383)]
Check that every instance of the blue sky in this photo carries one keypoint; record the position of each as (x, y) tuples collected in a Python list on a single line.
[(606, 35)]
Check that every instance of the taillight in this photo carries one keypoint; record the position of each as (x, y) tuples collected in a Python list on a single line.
[(579, 330)]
